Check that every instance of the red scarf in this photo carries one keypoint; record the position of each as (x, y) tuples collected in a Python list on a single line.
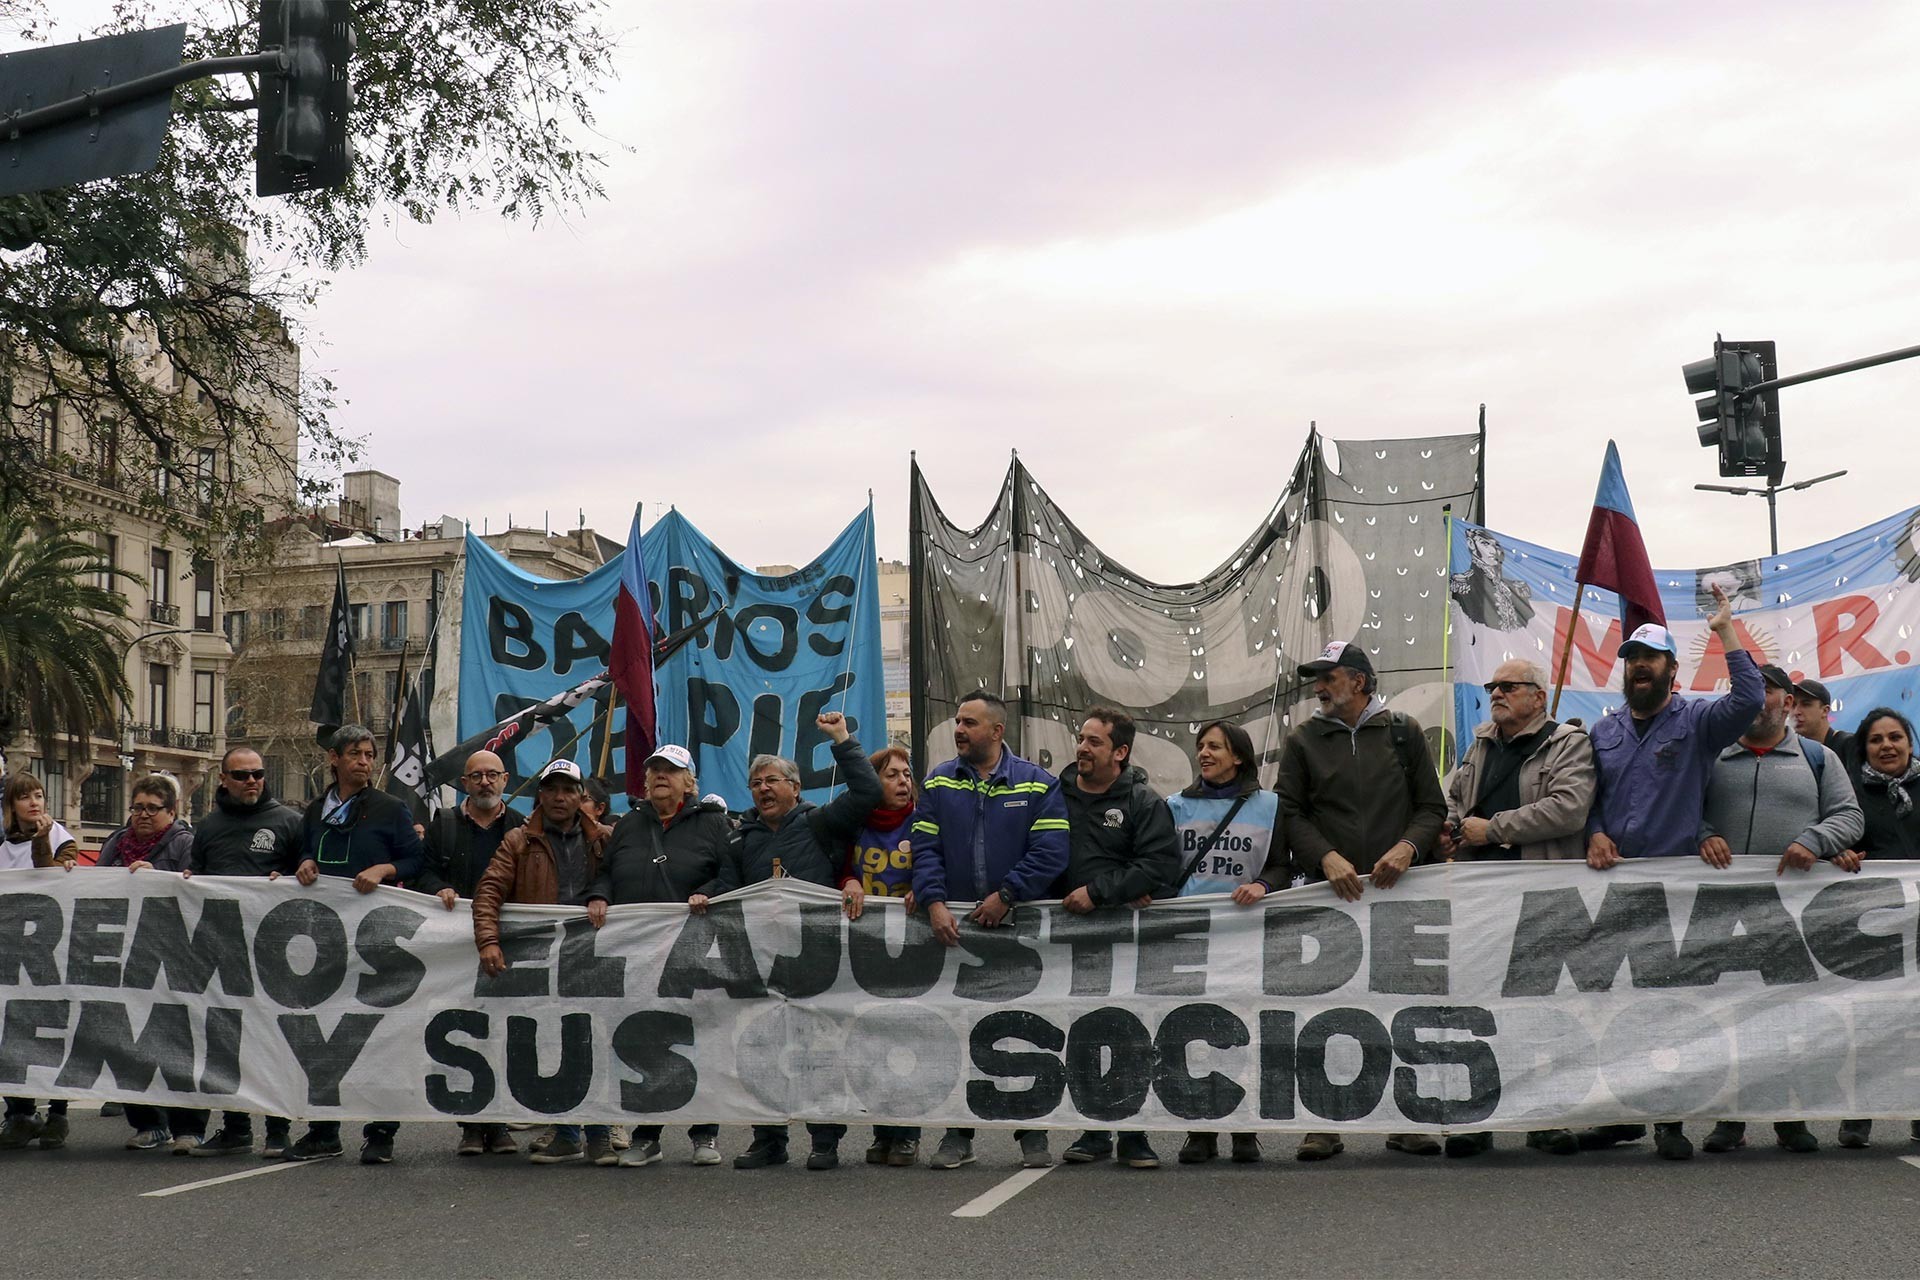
[(889, 819), (132, 849)]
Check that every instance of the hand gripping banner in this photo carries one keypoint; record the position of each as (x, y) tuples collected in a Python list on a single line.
[(1484, 996)]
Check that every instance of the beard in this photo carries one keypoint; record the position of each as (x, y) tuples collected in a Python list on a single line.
[(485, 804), (1768, 724), (1650, 697)]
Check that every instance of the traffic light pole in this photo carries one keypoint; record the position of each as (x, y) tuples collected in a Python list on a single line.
[(20, 123), (1794, 380), (1771, 492)]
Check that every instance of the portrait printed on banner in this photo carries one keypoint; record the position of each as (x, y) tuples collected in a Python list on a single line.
[(1486, 594)]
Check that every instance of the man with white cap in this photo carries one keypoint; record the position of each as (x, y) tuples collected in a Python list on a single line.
[(1655, 755), (668, 849)]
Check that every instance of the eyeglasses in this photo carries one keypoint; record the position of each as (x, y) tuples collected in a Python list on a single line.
[(247, 775), (147, 809), (1508, 686), (485, 775)]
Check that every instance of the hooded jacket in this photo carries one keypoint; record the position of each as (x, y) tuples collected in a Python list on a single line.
[(1121, 844), (692, 845), (237, 839), (449, 860), (810, 839), (1556, 791), (379, 828), (1348, 791), (525, 870), (173, 853)]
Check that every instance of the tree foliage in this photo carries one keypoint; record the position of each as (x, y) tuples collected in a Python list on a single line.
[(162, 311)]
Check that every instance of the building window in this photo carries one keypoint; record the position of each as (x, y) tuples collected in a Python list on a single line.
[(362, 709), (237, 628), (162, 470), (109, 544), (203, 702), (159, 684), (360, 614), (50, 428), (313, 622), (203, 477), (394, 620), (203, 595), (160, 583), (100, 798), (276, 776), (105, 454), (53, 776)]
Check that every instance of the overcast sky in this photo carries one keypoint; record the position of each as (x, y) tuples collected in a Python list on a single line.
[(1145, 244)]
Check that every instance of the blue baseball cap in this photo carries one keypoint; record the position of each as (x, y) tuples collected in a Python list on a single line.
[(1650, 636)]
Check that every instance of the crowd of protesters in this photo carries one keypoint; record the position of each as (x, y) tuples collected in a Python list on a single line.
[(1357, 803)]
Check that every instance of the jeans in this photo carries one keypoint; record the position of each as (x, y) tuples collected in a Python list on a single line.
[(181, 1122), (571, 1132), (240, 1123), (896, 1133), (329, 1130), (25, 1107), (699, 1132), (823, 1135)]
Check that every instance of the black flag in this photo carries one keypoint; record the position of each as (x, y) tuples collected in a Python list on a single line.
[(336, 666), (408, 755)]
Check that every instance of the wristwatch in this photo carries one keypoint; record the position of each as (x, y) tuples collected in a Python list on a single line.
[(1006, 897)]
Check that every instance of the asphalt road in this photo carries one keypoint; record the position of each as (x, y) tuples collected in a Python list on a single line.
[(1761, 1212)]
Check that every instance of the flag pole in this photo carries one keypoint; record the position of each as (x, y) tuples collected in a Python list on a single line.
[(1566, 653), (1448, 729), (606, 739)]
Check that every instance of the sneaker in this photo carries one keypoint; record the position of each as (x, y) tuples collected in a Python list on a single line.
[(500, 1143), (148, 1140), (1089, 1147), (53, 1134), (376, 1150), (620, 1136), (1796, 1137), (1670, 1142), (953, 1153), (761, 1155), (1555, 1142), (1600, 1137), (1136, 1153), (1246, 1148), (109, 1110), (1461, 1145), (878, 1152), (225, 1142), (904, 1154), (1854, 1134), (600, 1151), (1033, 1150), (559, 1151), (1414, 1144), (473, 1141), (541, 1139), (521, 1126), (1913, 1130), (1320, 1146), (705, 1152), (276, 1145), (184, 1144), (18, 1131), (640, 1154), (1728, 1135), (1197, 1149), (312, 1148), (821, 1158)]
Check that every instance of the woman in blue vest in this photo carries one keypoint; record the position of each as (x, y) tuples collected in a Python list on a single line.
[(1227, 827)]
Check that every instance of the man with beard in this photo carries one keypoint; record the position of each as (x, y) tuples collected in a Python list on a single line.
[(1775, 791), (460, 844), (991, 829), (1655, 755), (249, 833)]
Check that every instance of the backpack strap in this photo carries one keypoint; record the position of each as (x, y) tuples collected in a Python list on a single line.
[(1206, 846), (1816, 757)]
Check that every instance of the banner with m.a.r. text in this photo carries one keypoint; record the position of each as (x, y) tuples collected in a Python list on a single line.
[(1469, 996), (1845, 613)]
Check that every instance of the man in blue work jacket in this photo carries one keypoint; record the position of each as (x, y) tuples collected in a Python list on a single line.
[(990, 829), (1655, 756)]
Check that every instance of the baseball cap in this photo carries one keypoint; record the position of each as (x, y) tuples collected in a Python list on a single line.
[(1338, 653), (1650, 635), (1815, 690), (564, 769), (674, 755), (1776, 677)]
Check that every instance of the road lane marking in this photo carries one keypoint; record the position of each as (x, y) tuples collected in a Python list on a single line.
[(1912, 1160), (982, 1205), (231, 1177)]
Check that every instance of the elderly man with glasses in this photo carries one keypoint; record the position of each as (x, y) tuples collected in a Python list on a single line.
[(1522, 790)]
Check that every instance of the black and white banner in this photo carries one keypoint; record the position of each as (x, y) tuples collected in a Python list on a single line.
[(1489, 996)]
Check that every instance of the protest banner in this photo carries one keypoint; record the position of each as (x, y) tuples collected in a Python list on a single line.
[(1470, 996)]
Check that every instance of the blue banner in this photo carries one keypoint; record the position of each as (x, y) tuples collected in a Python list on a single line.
[(775, 652)]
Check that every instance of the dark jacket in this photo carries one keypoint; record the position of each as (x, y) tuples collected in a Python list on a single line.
[(1121, 842), (811, 840), (450, 860), (257, 839), (173, 853), (973, 836), (693, 842), (525, 870), (379, 829), (1889, 834), (1348, 791)]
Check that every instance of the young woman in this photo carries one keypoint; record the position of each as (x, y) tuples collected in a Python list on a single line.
[(1887, 780), (879, 863), (29, 837), (1228, 828)]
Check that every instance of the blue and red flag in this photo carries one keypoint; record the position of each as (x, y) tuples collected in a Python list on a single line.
[(1614, 557), (631, 662)]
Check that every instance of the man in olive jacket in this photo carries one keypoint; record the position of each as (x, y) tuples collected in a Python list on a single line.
[(1361, 799)]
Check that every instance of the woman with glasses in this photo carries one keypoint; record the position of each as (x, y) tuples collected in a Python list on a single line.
[(29, 837)]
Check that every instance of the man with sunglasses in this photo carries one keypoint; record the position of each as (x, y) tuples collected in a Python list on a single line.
[(1522, 791), (246, 833)]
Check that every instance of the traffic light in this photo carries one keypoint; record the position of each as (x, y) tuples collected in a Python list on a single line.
[(303, 143), (1744, 427)]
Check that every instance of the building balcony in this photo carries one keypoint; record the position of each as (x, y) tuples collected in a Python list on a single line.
[(154, 735), (165, 614)]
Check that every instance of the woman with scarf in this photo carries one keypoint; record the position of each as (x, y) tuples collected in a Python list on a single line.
[(29, 837), (1227, 827), (1887, 780), (879, 863)]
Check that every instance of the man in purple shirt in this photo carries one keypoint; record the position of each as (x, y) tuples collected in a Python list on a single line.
[(1654, 757)]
